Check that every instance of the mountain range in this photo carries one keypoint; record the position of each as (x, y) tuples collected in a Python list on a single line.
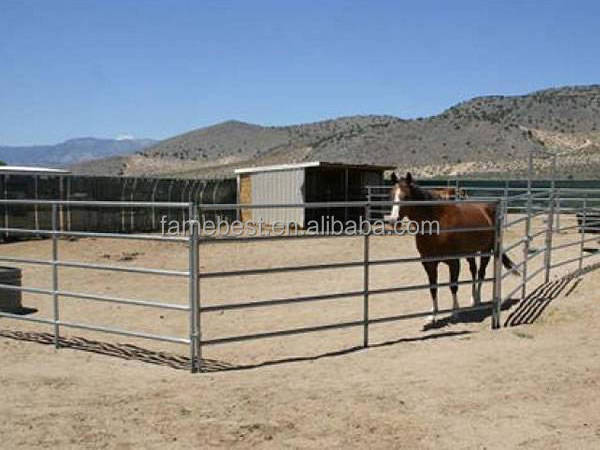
[(484, 137), (71, 152)]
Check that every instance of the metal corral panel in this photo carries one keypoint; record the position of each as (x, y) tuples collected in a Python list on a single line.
[(285, 186)]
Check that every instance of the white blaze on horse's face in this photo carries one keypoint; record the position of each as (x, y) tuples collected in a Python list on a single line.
[(396, 197)]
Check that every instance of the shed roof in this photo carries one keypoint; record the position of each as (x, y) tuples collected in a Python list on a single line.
[(312, 164), (27, 170)]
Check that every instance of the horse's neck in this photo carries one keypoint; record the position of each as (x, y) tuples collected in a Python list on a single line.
[(423, 212), (420, 213)]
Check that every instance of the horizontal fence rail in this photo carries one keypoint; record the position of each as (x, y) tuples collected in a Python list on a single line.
[(58, 294), (526, 204), (367, 293)]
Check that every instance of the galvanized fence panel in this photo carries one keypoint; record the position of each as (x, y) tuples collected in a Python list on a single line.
[(56, 292), (539, 203), (366, 293)]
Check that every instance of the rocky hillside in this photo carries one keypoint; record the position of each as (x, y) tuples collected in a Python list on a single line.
[(483, 136)]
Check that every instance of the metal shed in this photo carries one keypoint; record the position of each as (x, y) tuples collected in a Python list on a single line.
[(307, 182)]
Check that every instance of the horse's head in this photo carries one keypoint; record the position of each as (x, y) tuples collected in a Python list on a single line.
[(403, 188)]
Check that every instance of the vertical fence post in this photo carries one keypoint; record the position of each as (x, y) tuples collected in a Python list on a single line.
[(557, 209), (582, 231), (498, 229), (68, 206), (196, 238), (122, 209), (527, 245), (505, 197), (367, 208), (55, 274), (133, 211), (549, 233), (456, 188), (5, 207), (61, 196), (153, 199), (550, 221), (366, 232), (36, 195), (195, 351)]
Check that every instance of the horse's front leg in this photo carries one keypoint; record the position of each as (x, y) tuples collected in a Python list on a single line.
[(454, 266), (432, 268), (475, 294), (483, 263)]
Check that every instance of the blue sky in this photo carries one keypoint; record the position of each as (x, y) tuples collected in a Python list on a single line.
[(160, 68)]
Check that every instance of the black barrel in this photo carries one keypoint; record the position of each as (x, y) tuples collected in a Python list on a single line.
[(10, 299)]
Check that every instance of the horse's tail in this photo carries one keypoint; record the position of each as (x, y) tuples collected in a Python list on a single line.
[(507, 262)]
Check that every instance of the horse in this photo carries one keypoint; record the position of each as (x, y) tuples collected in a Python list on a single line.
[(448, 216), (449, 193)]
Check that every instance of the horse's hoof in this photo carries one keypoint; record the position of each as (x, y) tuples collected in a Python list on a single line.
[(430, 323)]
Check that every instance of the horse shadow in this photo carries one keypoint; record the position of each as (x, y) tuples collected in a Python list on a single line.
[(528, 310), (468, 316)]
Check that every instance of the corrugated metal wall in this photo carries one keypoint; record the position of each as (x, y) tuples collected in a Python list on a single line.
[(283, 186)]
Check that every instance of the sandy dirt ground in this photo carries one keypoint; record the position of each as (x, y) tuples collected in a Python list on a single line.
[(533, 384)]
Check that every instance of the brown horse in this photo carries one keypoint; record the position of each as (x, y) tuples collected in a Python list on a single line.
[(448, 216), (449, 193)]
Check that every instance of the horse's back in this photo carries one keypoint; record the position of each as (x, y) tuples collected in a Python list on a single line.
[(455, 216)]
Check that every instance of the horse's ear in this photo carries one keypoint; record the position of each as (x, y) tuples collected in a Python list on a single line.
[(409, 178), (394, 178)]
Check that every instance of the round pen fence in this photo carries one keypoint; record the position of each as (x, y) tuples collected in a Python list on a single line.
[(533, 225)]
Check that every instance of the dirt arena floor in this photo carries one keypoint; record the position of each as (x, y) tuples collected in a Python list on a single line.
[(533, 384)]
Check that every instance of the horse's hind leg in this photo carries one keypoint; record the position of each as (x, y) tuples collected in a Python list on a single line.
[(481, 275), (431, 267), (474, 291), (454, 266)]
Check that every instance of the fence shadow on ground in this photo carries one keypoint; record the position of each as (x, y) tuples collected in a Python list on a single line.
[(123, 351), (346, 351), (527, 312), (174, 361), (531, 308)]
